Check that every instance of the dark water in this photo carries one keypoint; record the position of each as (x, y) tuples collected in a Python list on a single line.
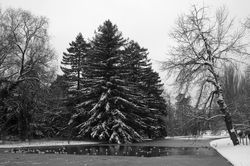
[(119, 150)]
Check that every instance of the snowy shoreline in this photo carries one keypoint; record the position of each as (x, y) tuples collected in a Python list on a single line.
[(196, 138), (237, 155), (46, 143)]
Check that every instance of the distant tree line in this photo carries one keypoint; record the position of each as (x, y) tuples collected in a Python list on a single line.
[(184, 118), (237, 95)]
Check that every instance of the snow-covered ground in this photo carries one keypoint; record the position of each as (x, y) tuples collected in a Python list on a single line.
[(238, 155), (204, 137), (45, 143)]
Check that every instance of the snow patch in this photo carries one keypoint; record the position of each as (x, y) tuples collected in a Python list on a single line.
[(45, 143), (202, 137), (238, 155)]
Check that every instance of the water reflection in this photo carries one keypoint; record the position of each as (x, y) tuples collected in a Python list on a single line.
[(119, 150)]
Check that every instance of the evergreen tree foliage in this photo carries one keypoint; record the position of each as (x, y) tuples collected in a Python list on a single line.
[(73, 61), (149, 83), (117, 107), (109, 99), (57, 114)]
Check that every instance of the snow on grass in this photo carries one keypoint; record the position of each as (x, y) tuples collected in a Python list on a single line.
[(238, 155), (45, 143), (206, 135), (203, 137)]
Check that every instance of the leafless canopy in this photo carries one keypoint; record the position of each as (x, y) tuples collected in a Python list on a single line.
[(24, 44), (203, 44)]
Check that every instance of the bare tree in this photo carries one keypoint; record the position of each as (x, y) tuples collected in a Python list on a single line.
[(24, 48), (24, 45), (203, 44)]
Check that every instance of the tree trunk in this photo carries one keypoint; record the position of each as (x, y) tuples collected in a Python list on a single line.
[(3, 96), (227, 116), (3, 128), (22, 128), (20, 125), (78, 80)]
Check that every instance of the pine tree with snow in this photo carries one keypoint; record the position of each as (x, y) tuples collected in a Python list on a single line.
[(109, 98), (72, 67), (156, 103), (150, 84), (73, 60)]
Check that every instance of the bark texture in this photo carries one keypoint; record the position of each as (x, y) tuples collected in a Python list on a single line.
[(227, 116)]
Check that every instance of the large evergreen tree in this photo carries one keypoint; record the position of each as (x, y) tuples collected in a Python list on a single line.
[(120, 95), (110, 99)]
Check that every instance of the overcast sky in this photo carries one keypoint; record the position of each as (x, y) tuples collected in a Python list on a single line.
[(146, 21)]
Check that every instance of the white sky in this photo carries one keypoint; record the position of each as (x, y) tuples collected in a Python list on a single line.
[(146, 21)]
